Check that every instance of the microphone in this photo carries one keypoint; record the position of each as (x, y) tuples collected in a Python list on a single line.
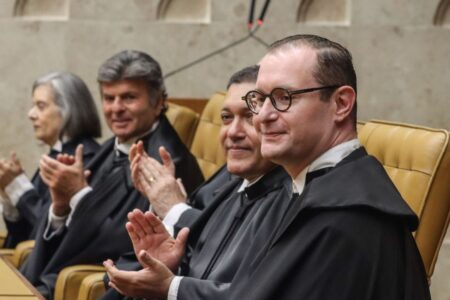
[(263, 13), (250, 14)]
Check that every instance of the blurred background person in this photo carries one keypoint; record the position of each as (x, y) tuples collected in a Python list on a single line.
[(63, 115)]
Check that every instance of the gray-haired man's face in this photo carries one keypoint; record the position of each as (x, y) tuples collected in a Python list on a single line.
[(127, 108)]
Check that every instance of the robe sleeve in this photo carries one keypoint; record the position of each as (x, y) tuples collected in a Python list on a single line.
[(193, 288)]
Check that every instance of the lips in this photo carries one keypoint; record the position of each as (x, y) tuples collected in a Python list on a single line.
[(237, 147), (237, 152), (120, 122), (269, 134), (272, 136)]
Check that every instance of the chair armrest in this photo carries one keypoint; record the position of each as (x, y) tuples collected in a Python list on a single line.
[(70, 278), (8, 254), (2, 238), (92, 287), (21, 252)]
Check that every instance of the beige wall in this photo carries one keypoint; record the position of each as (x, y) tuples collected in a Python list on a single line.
[(401, 52)]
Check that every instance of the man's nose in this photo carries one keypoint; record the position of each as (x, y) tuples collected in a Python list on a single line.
[(267, 110), (117, 105), (236, 128)]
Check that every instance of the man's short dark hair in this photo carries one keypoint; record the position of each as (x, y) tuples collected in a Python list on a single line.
[(133, 64), (334, 62), (246, 75)]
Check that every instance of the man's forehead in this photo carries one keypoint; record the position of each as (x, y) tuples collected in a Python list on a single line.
[(123, 84), (286, 67)]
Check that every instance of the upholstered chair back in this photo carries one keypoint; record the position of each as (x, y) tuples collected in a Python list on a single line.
[(417, 160), (205, 146), (184, 120)]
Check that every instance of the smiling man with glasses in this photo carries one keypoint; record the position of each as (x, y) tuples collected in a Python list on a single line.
[(346, 233)]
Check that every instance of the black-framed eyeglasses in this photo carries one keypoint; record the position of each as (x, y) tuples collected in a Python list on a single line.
[(281, 98)]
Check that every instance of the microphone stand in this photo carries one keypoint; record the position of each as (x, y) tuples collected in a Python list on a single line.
[(250, 35)]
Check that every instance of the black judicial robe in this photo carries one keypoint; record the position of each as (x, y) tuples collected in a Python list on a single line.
[(198, 200), (348, 236), (204, 196), (34, 203), (221, 236), (97, 230)]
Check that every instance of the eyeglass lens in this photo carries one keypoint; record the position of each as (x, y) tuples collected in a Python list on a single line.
[(280, 98)]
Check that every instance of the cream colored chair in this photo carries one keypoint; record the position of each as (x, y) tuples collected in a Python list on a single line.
[(2, 238), (18, 255), (92, 287), (70, 278), (184, 120), (205, 146), (418, 161)]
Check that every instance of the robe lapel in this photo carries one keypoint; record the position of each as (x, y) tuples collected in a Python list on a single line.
[(222, 193), (296, 206)]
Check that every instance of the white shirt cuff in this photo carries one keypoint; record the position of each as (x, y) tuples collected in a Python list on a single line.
[(174, 214), (54, 224), (9, 211), (173, 288), (19, 186), (75, 200)]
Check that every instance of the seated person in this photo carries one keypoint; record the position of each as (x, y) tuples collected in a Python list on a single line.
[(63, 115), (346, 234), (85, 222), (220, 236)]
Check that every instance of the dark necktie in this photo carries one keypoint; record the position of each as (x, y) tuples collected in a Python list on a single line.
[(119, 160)]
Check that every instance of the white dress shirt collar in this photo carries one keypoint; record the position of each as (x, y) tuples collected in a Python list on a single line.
[(126, 146), (247, 183), (58, 146), (328, 159)]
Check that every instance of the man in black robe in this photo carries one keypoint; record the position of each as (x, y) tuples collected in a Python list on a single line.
[(347, 231), (85, 223), (220, 237)]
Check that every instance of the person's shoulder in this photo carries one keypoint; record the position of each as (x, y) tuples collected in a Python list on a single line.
[(90, 144), (353, 224), (165, 135)]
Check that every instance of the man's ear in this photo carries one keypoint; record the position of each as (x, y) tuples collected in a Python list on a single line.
[(344, 99), (159, 106)]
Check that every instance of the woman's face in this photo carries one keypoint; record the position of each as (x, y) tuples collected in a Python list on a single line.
[(45, 115)]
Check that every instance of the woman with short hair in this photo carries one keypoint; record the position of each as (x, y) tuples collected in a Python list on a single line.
[(63, 115)]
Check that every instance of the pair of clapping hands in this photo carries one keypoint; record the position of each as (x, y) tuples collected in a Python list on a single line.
[(157, 251), (156, 181), (65, 176)]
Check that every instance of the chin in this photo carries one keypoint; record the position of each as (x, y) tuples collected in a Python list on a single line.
[(122, 134), (236, 168), (270, 151)]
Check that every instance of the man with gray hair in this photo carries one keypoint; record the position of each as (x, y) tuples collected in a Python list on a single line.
[(85, 223)]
